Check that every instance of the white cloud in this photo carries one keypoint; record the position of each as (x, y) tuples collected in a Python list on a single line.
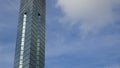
[(91, 15), (62, 46), (104, 50)]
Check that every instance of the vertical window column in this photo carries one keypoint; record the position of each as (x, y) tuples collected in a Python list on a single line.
[(22, 41), (38, 41)]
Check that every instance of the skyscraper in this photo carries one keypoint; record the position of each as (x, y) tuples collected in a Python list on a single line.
[(30, 42)]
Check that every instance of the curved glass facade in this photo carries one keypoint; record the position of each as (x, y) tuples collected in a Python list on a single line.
[(30, 43)]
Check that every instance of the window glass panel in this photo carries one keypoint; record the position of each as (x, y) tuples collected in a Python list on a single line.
[(21, 53), (23, 35), (38, 44), (20, 66), (21, 62), (23, 39), (21, 57), (23, 31), (22, 48), (22, 43), (23, 26)]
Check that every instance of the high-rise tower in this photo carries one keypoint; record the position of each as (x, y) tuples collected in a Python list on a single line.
[(30, 43)]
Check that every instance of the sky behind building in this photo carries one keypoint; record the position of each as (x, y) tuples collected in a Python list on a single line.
[(79, 33)]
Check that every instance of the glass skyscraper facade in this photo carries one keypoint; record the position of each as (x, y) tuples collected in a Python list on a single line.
[(30, 42)]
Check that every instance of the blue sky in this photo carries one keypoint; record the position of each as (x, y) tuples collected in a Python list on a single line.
[(79, 33)]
